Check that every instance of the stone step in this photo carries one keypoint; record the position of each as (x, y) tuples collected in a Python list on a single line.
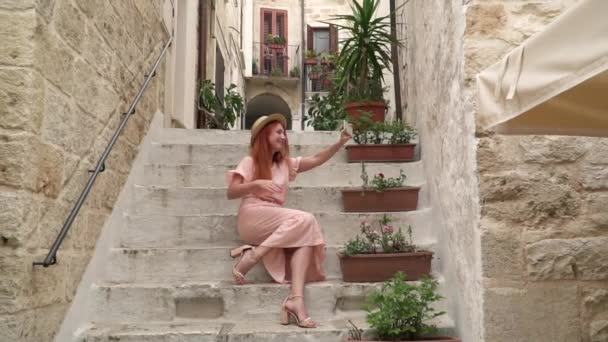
[(220, 230), (212, 136), (151, 200), (221, 154), (204, 264), (200, 175), (234, 331), (130, 303)]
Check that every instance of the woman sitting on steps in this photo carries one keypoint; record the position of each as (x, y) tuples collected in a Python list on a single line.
[(288, 241)]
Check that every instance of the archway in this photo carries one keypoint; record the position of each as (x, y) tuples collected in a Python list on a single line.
[(265, 104)]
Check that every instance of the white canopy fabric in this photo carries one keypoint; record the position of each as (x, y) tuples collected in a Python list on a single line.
[(554, 83)]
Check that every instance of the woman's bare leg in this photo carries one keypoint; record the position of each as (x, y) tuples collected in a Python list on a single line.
[(250, 258), (300, 260)]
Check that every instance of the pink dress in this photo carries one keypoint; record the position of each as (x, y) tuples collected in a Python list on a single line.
[(265, 223)]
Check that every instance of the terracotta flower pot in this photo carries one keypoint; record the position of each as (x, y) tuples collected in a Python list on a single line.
[(422, 339), (354, 110), (383, 266), (391, 199), (276, 46), (310, 61), (380, 152)]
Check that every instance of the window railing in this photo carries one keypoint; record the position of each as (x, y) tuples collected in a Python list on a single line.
[(319, 75), (280, 60)]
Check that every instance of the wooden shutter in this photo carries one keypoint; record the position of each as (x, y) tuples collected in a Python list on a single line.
[(266, 25), (333, 38), (280, 27)]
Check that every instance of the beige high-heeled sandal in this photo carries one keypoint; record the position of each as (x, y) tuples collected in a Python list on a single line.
[(239, 278), (287, 314)]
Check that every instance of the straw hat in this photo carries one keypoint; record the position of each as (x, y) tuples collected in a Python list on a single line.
[(262, 121)]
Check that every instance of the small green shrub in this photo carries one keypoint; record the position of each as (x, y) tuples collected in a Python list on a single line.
[(400, 310)]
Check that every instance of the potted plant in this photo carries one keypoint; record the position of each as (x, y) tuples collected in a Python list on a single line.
[(385, 194), (382, 252), (254, 67), (382, 142), (276, 72), (400, 311), (328, 58), (219, 115), (364, 56), (315, 72), (325, 113), (310, 57), (275, 42), (295, 71)]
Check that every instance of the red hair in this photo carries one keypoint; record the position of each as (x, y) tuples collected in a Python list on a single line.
[(262, 155)]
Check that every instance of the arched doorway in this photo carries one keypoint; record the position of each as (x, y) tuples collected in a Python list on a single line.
[(265, 104)]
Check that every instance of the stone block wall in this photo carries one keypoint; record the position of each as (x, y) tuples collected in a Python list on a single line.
[(68, 69), (524, 216), (543, 203), (433, 86)]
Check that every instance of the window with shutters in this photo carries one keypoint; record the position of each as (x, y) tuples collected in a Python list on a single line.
[(322, 39), (273, 22)]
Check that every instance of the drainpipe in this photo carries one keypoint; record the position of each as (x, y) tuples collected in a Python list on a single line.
[(395, 60), (202, 56), (302, 78)]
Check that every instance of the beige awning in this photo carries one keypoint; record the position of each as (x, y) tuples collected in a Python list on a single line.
[(554, 83)]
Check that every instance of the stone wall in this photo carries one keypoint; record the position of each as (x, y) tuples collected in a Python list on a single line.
[(543, 202), (432, 77), (67, 70)]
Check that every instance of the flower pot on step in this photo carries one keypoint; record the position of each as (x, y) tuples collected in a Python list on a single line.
[(391, 199), (383, 266), (422, 339), (276, 46), (380, 152), (355, 109)]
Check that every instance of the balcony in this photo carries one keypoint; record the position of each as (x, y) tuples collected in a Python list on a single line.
[(276, 60), (319, 75)]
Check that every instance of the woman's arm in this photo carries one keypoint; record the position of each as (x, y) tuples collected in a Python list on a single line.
[(238, 188), (307, 163)]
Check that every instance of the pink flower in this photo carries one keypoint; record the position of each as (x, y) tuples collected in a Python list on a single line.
[(387, 229)]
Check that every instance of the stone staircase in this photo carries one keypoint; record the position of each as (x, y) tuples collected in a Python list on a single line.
[(168, 275)]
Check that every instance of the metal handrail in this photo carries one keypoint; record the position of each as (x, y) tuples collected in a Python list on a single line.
[(51, 257)]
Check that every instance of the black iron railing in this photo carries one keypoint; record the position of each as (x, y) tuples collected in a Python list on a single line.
[(280, 60), (319, 76), (51, 257)]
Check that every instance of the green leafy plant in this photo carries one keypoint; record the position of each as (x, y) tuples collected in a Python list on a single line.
[(310, 54), (206, 95), (380, 183), (357, 245), (400, 310), (366, 50), (254, 67), (385, 132), (219, 115), (326, 112), (233, 106), (275, 39), (295, 71), (276, 72), (385, 238)]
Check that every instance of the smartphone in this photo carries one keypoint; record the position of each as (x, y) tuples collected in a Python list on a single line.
[(348, 128)]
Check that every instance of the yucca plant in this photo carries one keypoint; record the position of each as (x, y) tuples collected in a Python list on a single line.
[(366, 48)]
